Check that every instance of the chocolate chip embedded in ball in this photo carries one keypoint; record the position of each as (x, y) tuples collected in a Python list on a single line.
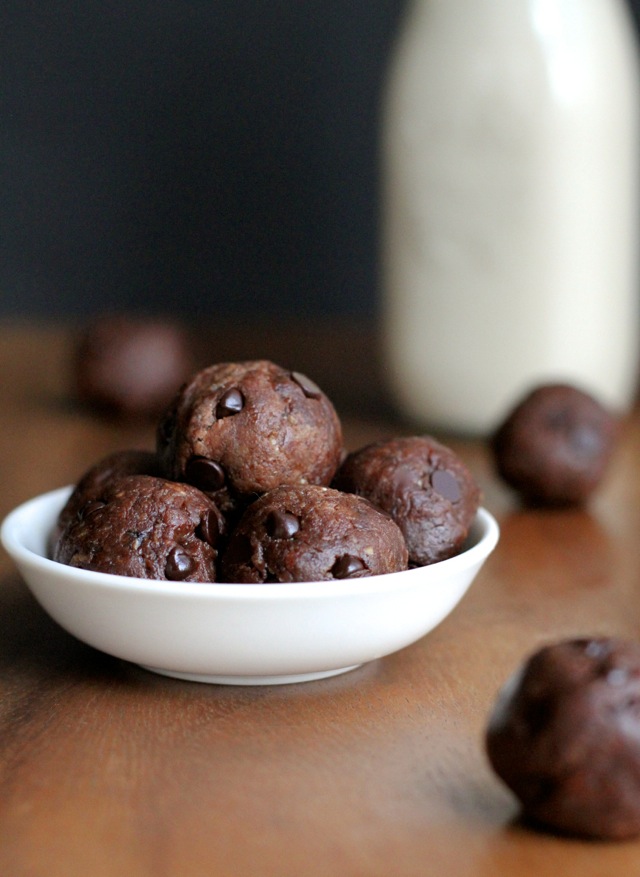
[(555, 445), (145, 527), (564, 735), (310, 533), (130, 367), (425, 487), (348, 566), (243, 428), (231, 402), (205, 474)]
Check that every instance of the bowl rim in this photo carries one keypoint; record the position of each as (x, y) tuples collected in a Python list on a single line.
[(13, 525)]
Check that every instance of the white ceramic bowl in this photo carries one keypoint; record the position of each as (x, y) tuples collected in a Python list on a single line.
[(240, 634)]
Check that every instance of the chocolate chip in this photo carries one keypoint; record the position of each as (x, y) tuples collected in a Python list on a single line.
[(210, 528), (281, 525), (231, 402), (446, 484), (586, 440), (179, 564), (308, 387), (204, 474), (348, 566), (617, 677)]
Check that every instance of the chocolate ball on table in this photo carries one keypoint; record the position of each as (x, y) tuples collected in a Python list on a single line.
[(425, 487), (555, 445), (238, 429), (130, 367), (564, 736), (145, 527), (308, 533)]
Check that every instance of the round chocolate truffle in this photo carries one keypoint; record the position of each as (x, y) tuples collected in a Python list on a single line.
[(130, 367), (564, 736), (242, 428), (425, 487), (145, 527), (94, 481), (310, 533), (555, 445)]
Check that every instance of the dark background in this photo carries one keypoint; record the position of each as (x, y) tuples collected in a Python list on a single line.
[(202, 158)]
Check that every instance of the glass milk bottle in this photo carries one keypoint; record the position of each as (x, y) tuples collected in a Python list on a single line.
[(509, 187)]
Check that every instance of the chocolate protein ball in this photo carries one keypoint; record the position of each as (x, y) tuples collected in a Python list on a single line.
[(238, 429), (565, 737), (555, 445), (94, 481), (145, 527), (130, 367), (425, 487), (310, 533)]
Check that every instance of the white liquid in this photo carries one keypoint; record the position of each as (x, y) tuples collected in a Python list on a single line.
[(510, 206)]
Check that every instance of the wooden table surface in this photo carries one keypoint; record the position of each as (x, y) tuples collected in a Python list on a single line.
[(106, 769)]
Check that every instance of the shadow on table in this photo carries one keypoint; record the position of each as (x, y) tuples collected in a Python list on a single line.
[(33, 645)]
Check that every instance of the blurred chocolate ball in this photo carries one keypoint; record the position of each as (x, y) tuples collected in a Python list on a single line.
[(555, 445), (130, 367), (564, 736)]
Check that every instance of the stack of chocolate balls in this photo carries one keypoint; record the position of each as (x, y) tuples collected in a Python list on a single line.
[(250, 483)]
